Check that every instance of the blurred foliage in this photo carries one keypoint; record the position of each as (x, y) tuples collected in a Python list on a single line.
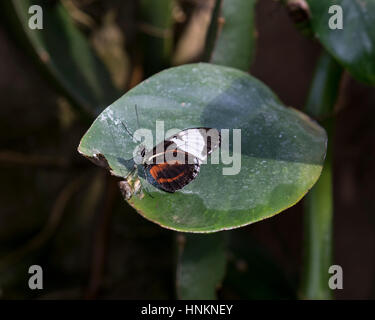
[(353, 45), (63, 52), (252, 273)]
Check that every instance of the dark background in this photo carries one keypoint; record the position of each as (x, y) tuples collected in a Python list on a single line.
[(99, 247)]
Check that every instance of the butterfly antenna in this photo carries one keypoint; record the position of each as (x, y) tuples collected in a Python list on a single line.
[(127, 130)]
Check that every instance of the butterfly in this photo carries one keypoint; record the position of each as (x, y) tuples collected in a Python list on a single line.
[(175, 162)]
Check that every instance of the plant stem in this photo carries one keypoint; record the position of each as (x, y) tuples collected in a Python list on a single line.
[(319, 201), (231, 36), (156, 28)]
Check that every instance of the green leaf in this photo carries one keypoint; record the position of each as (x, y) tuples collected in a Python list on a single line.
[(354, 45), (201, 266), (282, 150), (65, 54), (231, 36)]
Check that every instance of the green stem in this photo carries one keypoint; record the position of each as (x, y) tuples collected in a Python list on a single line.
[(156, 29), (231, 36), (201, 265), (319, 201)]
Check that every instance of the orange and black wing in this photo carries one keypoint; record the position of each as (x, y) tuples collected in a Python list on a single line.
[(171, 177), (187, 149)]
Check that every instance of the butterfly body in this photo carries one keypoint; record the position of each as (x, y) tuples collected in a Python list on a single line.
[(175, 162)]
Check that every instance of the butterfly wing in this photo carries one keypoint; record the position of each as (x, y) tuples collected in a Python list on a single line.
[(191, 147), (199, 142), (172, 177)]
